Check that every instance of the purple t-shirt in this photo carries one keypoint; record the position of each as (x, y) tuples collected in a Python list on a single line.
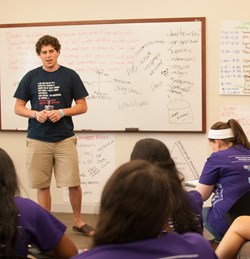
[(229, 171), (196, 203), (36, 226), (174, 245)]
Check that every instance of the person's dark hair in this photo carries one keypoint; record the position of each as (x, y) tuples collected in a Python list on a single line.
[(239, 134), (8, 213), (136, 203), (155, 151), (45, 41)]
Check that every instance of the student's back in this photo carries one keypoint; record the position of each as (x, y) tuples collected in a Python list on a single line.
[(155, 151), (225, 175), (23, 222), (136, 203), (36, 226), (185, 246)]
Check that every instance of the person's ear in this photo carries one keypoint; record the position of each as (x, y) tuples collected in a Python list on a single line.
[(219, 143), (215, 145)]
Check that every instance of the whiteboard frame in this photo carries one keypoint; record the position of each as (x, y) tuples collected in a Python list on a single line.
[(202, 128)]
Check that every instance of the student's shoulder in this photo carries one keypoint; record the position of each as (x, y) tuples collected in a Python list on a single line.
[(32, 210), (223, 153), (25, 203), (218, 157), (185, 240), (198, 241), (194, 195), (190, 242), (241, 149), (200, 245), (20, 199)]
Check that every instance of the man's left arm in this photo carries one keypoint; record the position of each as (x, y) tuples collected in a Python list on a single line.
[(80, 107)]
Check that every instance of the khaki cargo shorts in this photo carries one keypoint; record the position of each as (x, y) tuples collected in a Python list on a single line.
[(46, 158)]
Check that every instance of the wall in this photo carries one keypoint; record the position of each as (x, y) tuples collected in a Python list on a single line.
[(215, 11)]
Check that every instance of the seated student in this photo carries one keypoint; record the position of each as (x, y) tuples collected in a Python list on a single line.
[(155, 151), (235, 239), (225, 174), (24, 222), (136, 203)]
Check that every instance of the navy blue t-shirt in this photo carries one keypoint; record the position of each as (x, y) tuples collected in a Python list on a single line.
[(59, 89)]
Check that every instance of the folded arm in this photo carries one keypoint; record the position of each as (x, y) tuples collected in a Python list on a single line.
[(234, 238)]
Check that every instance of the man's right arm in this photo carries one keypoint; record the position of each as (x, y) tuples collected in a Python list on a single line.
[(21, 109)]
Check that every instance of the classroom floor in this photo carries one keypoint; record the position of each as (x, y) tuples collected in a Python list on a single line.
[(80, 240), (83, 242)]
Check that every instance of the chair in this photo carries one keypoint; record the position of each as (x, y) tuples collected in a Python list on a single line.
[(35, 253), (239, 208), (244, 252)]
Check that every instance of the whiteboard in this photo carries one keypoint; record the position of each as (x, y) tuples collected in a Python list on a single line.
[(146, 75)]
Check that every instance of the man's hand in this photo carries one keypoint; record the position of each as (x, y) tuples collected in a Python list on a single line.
[(41, 116), (54, 115)]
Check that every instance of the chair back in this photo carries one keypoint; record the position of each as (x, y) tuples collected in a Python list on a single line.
[(239, 208)]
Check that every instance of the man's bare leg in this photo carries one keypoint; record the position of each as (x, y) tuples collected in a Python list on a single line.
[(75, 196), (44, 198)]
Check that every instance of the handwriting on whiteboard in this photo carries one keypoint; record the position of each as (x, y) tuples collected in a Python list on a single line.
[(238, 112), (96, 153)]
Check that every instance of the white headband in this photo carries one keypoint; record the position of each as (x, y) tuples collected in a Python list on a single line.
[(220, 134)]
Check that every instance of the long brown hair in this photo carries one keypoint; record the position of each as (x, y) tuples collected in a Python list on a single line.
[(156, 152), (136, 203), (8, 212), (239, 134)]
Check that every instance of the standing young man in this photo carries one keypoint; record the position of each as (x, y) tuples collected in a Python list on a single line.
[(51, 143)]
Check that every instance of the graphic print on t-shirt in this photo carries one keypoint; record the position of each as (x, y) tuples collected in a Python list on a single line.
[(47, 93)]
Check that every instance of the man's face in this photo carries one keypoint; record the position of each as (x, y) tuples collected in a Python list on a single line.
[(49, 57)]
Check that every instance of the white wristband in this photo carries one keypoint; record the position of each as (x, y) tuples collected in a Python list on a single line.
[(61, 112)]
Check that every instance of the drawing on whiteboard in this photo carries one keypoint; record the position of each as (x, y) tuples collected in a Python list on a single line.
[(180, 112), (184, 161)]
